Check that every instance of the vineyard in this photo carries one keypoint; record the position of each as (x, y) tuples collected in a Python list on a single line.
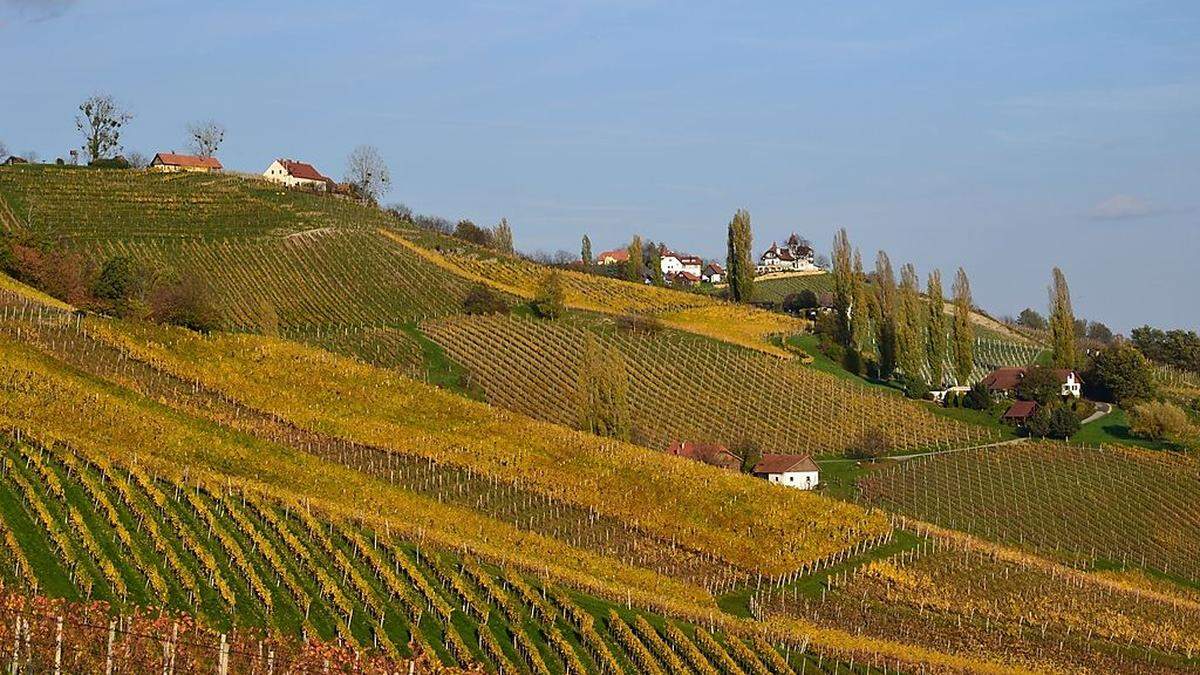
[(969, 598), (1083, 505), (101, 204), (686, 387), (233, 557), (690, 312), (775, 290), (308, 283)]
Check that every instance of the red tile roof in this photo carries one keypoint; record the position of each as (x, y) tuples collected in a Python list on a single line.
[(1007, 379), (302, 170), (190, 161), (709, 453), (687, 276), (785, 464), (618, 254), (714, 267), (1021, 410)]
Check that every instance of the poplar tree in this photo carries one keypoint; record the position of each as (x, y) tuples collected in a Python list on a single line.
[(655, 264), (964, 332), (1062, 321), (585, 254), (844, 278), (911, 324), (935, 329), (603, 391), (633, 266), (502, 237), (738, 263), (860, 317), (886, 338)]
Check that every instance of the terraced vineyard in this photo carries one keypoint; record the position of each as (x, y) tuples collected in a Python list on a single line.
[(982, 601), (684, 387), (91, 204), (311, 281), (234, 557), (1083, 505)]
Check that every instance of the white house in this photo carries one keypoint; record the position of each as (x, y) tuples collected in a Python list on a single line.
[(1004, 381), (672, 263), (713, 274), (669, 263), (794, 471), (1072, 385), (795, 255), (296, 174)]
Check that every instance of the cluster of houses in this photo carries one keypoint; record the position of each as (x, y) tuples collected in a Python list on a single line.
[(685, 269), (288, 172), (794, 471), (1004, 382), (678, 269)]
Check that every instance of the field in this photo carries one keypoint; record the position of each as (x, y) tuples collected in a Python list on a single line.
[(974, 599), (102, 204), (1086, 506), (686, 388), (234, 557), (690, 312), (775, 290), (308, 283)]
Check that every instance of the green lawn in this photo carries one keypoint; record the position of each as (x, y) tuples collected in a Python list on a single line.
[(1113, 428)]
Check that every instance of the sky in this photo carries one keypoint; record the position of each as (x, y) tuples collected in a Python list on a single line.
[(1003, 137)]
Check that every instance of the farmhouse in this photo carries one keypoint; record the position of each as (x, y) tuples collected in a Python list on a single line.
[(613, 257), (169, 161), (796, 255), (682, 278), (296, 174), (710, 453), (1004, 381), (13, 159), (795, 471), (713, 274), (672, 263)]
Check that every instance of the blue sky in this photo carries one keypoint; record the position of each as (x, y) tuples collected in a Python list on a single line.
[(1006, 138)]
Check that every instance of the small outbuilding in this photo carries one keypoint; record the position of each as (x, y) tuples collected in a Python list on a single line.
[(13, 159), (170, 161), (1020, 412), (710, 453), (795, 471)]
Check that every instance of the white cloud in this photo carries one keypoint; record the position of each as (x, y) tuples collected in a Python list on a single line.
[(1123, 207)]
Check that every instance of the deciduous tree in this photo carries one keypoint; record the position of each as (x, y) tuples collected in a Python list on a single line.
[(935, 329), (844, 285), (911, 325), (739, 266), (964, 332), (1062, 321), (502, 237), (367, 172), (101, 120), (585, 253), (603, 391), (1030, 318), (551, 299), (1120, 373), (886, 336), (633, 265), (205, 138)]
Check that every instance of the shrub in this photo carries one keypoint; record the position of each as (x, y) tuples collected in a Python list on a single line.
[(184, 302), (915, 387), (979, 398), (1159, 420), (871, 444), (121, 284), (1040, 384), (1055, 421), (551, 299), (639, 323), (482, 299)]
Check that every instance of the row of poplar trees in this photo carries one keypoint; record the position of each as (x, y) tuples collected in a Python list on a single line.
[(892, 324)]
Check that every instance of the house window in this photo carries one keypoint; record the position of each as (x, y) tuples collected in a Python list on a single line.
[(791, 479)]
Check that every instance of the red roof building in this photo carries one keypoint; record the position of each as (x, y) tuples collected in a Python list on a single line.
[(617, 255), (297, 174), (1020, 412), (1006, 380), (796, 471), (710, 453), (170, 161)]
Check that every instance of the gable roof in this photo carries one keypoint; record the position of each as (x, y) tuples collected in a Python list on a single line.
[(1007, 378), (714, 267), (191, 161), (686, 276), (301, 170), (618, 254), (709, 453), (785, 464), (1020, 410)]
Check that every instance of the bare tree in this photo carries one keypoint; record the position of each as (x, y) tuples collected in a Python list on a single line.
[(101, 119), (137, 160), (205, 137), (3, 150), (366, 171)]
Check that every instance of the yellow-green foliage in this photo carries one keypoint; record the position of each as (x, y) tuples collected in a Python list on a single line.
[(731, 516)]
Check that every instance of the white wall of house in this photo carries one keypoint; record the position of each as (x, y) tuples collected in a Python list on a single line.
[(669, 264), (801, 480), (691, 268), (1072, 387), (278, 174)]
